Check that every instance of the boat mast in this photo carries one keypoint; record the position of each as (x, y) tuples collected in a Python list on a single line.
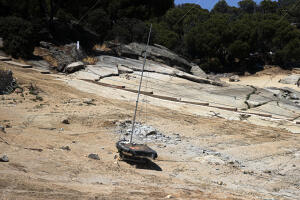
[(139, 92)]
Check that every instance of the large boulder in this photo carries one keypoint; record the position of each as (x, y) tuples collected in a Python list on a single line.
[(73, 67), (156, 53), (291, 79)]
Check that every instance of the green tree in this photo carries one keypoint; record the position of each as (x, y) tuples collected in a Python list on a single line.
[(18, 36), (248, 6), (289, 56), (99, 21), (239, 49), (269, 6), (165, 36), (128, 30), (221, 7)]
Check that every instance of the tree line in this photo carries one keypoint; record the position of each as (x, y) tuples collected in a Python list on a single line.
[(225, 39)]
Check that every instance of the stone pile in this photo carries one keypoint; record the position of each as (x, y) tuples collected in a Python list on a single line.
[(145, 133)]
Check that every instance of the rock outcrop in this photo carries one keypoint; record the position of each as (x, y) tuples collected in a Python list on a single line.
[(291, 79), (151, 66), (156, 53), (124, 70), (103, 70), (197, 71)]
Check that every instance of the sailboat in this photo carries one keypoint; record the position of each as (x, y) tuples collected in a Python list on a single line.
[(128, 150)]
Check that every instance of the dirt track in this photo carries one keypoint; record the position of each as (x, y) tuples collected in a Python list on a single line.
[(215, 159)]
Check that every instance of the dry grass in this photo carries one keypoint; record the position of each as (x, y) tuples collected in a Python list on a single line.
[(90, 60)]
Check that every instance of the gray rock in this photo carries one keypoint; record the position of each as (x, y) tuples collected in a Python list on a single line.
[(86, 75), (40, 64), (197, 71), (4, 158), (291, 79), (103, 69), (234, 78), (124, 70), (151, 66), (73, 67), (284, 93), (198, 79), (157, 53), (94, 156)]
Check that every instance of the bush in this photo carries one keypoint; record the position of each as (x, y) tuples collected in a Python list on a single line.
[(18, 37), (289, 56), (7, 82)]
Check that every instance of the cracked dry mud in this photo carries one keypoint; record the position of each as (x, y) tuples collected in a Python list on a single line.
[(215, 158)]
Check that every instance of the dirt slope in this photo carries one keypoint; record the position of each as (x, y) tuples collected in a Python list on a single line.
[(214, 158)]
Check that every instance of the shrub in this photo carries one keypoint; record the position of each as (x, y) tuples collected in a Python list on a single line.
[(7, 82), (18, 37)]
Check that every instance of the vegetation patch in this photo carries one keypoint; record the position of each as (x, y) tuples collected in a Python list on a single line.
[(7, 82)]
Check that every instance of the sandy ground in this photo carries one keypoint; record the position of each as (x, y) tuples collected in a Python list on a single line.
[(214, 159)]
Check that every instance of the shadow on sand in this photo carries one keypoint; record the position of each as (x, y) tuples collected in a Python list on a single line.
[(144, 164)]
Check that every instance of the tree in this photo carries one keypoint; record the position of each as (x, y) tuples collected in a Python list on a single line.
[(99, 21), (269, 6), (289, 56), (239, 49), (221, 7), (165, 36), (248, 6), (128, 30)]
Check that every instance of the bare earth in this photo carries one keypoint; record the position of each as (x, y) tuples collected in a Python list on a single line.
[(214, 158)]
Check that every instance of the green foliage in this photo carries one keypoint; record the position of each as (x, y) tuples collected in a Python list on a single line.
[(128, 30), (18, 36), (99, 21), (164, 36), (224, 39), (239, 49), (269, 6), (290, 54), (248, 6), (221, 7)]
